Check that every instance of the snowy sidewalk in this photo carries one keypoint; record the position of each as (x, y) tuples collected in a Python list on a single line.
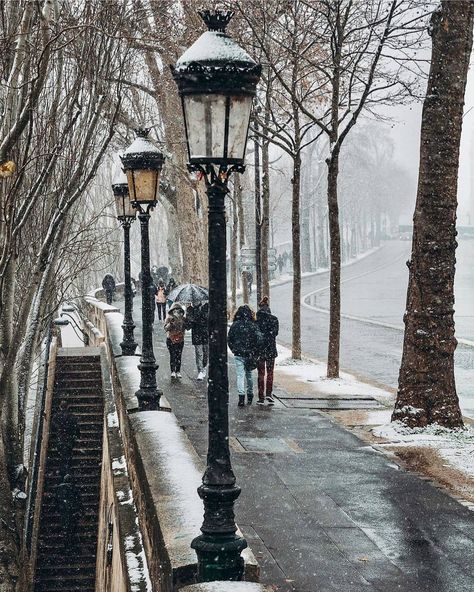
[(322, 509)]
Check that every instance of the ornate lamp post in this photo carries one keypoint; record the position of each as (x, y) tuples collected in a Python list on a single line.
[(125, 215), (217, 81), (142, 163)]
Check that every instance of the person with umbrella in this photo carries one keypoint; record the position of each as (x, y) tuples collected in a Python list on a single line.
[(189, 294)]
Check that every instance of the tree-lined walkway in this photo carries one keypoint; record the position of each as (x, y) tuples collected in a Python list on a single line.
[(322, 510)]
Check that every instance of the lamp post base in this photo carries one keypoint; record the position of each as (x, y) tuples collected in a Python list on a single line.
[(128, 344), (148, 395), (218, 548)]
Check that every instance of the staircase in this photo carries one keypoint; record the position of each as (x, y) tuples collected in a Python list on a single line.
[(78, 380)]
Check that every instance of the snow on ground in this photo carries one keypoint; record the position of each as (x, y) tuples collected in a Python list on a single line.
[(313, 372), (456, 447)]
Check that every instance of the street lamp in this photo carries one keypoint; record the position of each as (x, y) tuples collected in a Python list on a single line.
[(142, 163), (217, 81), (125, 215)]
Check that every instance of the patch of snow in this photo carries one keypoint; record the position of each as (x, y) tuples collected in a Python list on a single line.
[(226, 587), (455, 446), (214, 46), (314, 372), (119, 465), (112, 420), (168, 447)]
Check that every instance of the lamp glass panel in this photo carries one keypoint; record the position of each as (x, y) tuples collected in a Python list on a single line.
[(130, 211), (143, 185), (239, 116), (205, 125), (124, 206)]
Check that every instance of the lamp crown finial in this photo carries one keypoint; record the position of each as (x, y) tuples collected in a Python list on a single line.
[(216, 20), (142, 132)]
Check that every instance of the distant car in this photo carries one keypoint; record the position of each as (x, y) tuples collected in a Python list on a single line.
[(405, 236)]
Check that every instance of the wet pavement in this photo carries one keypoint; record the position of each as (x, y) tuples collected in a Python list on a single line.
[(322, 510), (374, 289)]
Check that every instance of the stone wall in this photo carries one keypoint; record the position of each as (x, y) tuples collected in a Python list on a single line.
[(163, 468)]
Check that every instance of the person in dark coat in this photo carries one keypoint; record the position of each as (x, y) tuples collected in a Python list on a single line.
[(69, 506), (175, 327), (108, 283), (197, 319), (268, 326), (249, 282), (65, 431), (280, 263), (244, 342), (171, 285)]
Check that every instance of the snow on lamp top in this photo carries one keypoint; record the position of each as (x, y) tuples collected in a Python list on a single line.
[(142, 154), (215, 62), (118, 176)]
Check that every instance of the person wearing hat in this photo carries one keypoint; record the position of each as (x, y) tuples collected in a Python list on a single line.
[(268, 326)]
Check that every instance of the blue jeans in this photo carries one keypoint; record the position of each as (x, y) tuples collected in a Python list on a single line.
[(243, 375)]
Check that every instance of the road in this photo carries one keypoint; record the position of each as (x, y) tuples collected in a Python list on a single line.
[(374, 290)]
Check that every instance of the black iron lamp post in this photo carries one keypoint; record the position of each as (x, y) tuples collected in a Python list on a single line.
[(217, 81), (126, 215), (142, 163)]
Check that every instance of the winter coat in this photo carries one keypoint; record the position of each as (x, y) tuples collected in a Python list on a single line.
[(171, 285), (268, 326), (161, 294), (175, 324), (244, 337), (196, 320), (108, 283)]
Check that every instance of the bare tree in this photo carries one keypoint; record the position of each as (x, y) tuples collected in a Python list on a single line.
[(426, 386), (362, 55)]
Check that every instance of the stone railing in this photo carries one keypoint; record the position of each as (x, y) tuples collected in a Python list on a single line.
[(163, 469)]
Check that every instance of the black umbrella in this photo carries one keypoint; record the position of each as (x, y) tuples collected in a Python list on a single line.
[(189, 294)]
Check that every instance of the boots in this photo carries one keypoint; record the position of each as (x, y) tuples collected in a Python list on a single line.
[(241, 402), (249, 399)]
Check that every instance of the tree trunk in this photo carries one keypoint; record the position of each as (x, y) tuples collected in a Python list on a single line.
[(305, 221), (295, 227), (258, 220), (265, 228), (335, 269), (426, 384), (9, 568)]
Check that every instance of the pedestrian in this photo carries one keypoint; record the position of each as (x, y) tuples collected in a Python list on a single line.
[(268, 326), (244, 341), (175, 326), (197, 320), (65, 430), (69, 506), (171, 285), (160, 298), (280, 263), (108, 284), (249, 282)]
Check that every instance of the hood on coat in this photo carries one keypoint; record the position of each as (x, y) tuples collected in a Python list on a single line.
[(244, 313)]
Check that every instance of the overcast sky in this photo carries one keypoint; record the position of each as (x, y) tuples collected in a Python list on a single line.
[(406, 133)]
